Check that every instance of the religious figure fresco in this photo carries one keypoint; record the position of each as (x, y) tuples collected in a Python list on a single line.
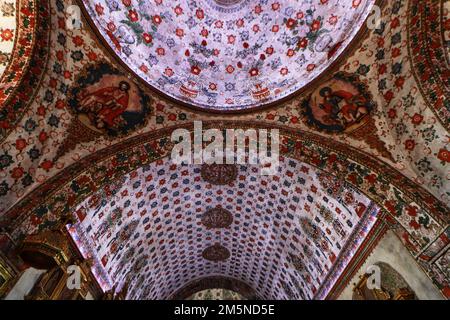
[(107, 102), (342, 104)]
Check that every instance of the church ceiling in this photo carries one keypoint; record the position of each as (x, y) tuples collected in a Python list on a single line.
[(231, 56), (396, 139), (289, 229)]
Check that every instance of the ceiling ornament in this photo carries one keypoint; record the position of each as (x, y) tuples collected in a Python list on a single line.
[(104, 102), (217, 218), (228, 55), (343, 105), (332, 184), (219, 174), (216, 294), (312, 231), (377, 180), (227, 3), (170, 232), (216, 253), (213, 282), (290, 294), (107, 102)]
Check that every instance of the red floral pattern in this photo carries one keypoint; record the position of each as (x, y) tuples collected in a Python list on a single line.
[(228, 58)]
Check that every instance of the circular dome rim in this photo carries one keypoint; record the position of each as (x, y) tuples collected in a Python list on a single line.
[(323, 76), (17, 62)]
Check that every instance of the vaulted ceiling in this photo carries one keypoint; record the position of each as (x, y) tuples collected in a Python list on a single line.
[(228, 55), (383, 147), (7, 33)]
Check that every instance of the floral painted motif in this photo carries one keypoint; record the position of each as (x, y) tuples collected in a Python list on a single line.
[(219, 174), (429, 35), (228, 58), (417, 216), (7, 32), (400, 113), (217, 218), (107, 102)]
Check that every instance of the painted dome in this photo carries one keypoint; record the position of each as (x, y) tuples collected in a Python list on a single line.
[(228, 55)]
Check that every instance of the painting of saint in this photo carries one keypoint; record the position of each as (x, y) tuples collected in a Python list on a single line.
[(340, 105), (107, 102), (105, 106)]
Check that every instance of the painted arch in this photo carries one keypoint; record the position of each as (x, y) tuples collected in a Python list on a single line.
[(418, 218)]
